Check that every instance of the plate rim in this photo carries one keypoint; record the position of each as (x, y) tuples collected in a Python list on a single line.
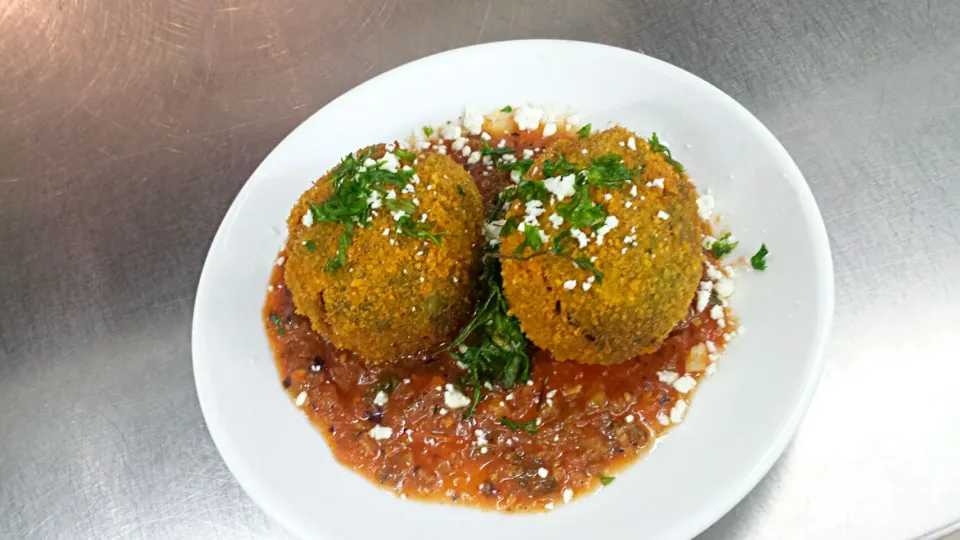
[(727, 497)]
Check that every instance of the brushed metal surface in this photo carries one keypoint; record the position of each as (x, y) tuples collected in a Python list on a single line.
[(127, 126)]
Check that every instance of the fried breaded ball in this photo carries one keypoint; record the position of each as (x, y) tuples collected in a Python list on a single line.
[(650, 259), (395, 296)]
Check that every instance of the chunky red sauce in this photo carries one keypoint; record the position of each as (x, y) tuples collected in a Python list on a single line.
[(589, 421)]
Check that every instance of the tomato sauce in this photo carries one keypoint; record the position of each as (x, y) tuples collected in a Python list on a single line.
[(584, 423)]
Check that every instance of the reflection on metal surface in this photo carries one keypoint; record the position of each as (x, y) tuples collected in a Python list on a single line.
[(126, 127)]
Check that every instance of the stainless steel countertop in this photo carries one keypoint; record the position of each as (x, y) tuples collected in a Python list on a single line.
[(127, 127)]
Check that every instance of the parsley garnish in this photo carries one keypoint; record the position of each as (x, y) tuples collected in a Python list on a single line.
[(560, 167), (310, 245), (488, 150), (386, 385), (657, 146), (497, 349), (522, 165), (580, 212), (278, 322), (759, 261), (507, 109), (351, 204), (405, 155), (607, 480), (427, 130), (531, 239), (609, 171), (723, 246), (585, 264), (584, 132), (530, 427)]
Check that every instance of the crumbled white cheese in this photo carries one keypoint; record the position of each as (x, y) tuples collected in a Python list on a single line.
[(705, 206), (549, 129), (567, 495), (703, 298), (307, 218), (454, 399), (474, 157), (570, 285), (527, 153), (398, 214), (608, 225), (725, 287), (713, 273), (280, 261), (656, 182), (711, 369), (301, 398), (380, 433), (473, 120), (515, 176), (381, 399), (630, 418), (587, 285), (528, 118), (710, 346), (542, 473), (492, 231), (663, 215), (633, 190), (485, 136), (561, 187), (466, 151), (390, 162), (632, 143), (450, 132), (581, 237), (458, 144), (667, 376), (684, 384), (481, 437), (556, 220), (533, 210), (716, 313), (663, 419), (677, 412), (574, 120)]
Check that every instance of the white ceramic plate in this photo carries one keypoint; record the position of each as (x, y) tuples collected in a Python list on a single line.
[(741, 418)]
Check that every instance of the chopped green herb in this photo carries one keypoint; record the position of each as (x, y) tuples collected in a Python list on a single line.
[(759, 261), (310, 245), (585, 264), (507, 109), (278, 322), (609, 171), (530, 190), (386, 385), (584, 132), (497, 349), (560, 167), (461, 191), (559, 239), (509, 226), (401, 205), (723, 246), (427, 130), (530, 427), (339, 260), (354, 189), (405, 155), (522, 165), (657, 146), (417, 230), (580, 211), (531, 239), (488, 150), (607, 480)]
